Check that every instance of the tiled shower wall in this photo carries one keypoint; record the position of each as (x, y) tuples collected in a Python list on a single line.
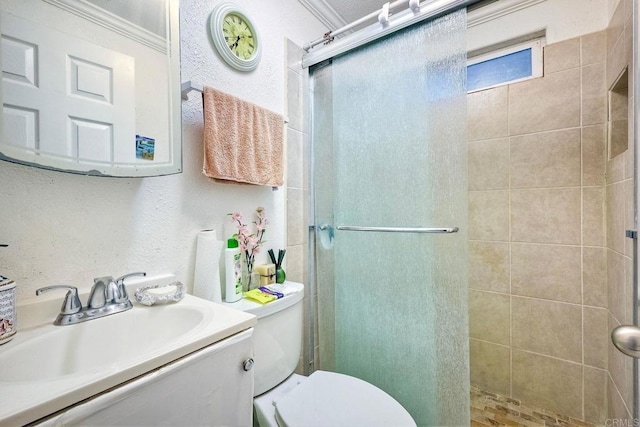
[(619, 217), (297, 180), (537, 299)]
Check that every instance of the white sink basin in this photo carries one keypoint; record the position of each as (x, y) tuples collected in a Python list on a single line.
[(97, 344), (46, 368)]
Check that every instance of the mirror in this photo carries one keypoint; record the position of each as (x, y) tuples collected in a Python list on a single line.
[(91, 86)]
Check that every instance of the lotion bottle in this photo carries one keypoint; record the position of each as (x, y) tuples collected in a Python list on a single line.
[(232, 266)]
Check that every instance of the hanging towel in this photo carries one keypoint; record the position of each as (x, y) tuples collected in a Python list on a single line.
[(243, 143)]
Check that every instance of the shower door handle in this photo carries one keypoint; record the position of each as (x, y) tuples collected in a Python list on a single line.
[(627, 340), (436, 230)]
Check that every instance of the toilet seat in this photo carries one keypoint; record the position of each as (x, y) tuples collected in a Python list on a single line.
[(332, 399)]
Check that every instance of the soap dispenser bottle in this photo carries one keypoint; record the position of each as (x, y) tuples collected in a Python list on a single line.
[(232, 266)]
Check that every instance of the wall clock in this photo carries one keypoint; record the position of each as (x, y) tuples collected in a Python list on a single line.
[(235, 37)]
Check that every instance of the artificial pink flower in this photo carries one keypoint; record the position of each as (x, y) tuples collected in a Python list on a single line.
[(250, 243)]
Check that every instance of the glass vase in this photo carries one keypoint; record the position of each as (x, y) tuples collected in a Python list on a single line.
[(250, 279)]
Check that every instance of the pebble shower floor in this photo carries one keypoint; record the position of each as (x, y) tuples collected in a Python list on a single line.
[(490, 410)]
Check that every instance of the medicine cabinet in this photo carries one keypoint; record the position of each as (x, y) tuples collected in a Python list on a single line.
[(91, 86)]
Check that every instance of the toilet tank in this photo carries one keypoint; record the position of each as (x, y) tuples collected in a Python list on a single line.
[(277, 338)]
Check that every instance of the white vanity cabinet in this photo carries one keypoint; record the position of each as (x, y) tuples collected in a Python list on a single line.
[(209, 387)]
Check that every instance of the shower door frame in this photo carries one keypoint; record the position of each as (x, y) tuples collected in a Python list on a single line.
[(435, 9), (314, 248)]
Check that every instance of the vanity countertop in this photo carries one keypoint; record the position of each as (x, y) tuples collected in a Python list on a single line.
[(47, 368)]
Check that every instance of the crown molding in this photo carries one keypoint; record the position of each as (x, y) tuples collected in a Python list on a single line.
[(112, 22), (497, 10), (329, 17), (324, 13)]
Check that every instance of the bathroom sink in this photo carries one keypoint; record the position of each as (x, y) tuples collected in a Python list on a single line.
[(46, 368), (92, 346)]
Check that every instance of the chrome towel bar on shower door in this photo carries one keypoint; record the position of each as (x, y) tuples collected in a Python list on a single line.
[(398, 229)]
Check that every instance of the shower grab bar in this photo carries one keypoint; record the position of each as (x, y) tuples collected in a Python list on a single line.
[(398, 229)]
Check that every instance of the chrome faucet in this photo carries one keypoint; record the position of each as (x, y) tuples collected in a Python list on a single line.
[(107, 296)]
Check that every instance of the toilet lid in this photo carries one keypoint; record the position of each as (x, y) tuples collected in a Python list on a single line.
[(331, 399)]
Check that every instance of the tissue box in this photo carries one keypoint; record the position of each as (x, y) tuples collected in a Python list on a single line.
[(7, 310)]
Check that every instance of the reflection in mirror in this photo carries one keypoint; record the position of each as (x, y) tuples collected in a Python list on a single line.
[(91, 86)]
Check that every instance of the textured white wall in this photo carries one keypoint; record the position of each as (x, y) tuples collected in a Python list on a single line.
[(562, 20), (68, 229)]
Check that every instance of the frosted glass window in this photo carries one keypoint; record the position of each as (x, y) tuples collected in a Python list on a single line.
[(506, 65)]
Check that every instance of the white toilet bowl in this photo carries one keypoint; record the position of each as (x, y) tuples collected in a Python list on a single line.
[(329, 399), (323, 399)]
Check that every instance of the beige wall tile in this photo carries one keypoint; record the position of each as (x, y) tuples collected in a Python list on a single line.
[(620, 369), (616, 286), (546, 215), (617, 411), (618, 138), (593, 155), (628, 12), (630, 154), (615, 211), (548, 327), (594, 276), (489, 317), (546, 271), (615, 169), (295, 217), (594, 48), (489, 164), (629, 214), (595, 395), (628, 286), (294, 100), (489, 215), (616, 26), (627, 36), (593, 224), (547, 383), (549, 159), (294, 159), (596, 336), (489, 266), (294, 57), (548, 103), (562, 56), (617, 60), (294, 264), (594, 94), (490, 366), (487, 114), (619, 101)]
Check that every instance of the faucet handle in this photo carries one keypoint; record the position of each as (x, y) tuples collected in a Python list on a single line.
[(120, 280), (122, 289), (71, 303)]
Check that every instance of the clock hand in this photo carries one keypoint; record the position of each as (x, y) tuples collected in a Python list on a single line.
[(233, 46)]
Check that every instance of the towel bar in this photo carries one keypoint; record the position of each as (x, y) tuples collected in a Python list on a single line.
[(190, 86)]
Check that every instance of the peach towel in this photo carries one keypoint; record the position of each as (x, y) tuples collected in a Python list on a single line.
[(243, 143)]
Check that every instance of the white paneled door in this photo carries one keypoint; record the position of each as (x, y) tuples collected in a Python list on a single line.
[(54, 84)]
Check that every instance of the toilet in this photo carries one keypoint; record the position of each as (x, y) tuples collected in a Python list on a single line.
[(285, 399)]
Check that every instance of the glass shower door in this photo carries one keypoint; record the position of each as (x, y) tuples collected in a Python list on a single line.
[(389, 161)]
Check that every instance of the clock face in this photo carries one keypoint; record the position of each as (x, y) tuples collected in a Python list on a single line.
[(235, 37), (239, 36)]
